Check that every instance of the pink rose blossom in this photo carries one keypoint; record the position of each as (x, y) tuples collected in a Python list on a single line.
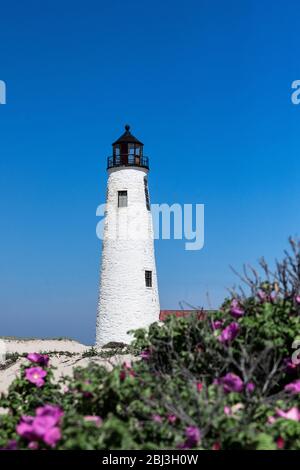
[(50, 411), (231, 383), (36, 376), (280, 443), (157, 418), (41, 359), (33, 445), (24, 428), (289, 365), (122, 375), (297, 299), (93, 419), (231, 410), (52, 436), (262, 296), (172, 419), (216, 446), (250, 387), (126, 370), (229, 333), (293, 387), (217, 324), (11, 445), (292, 414), (145, 354), (41, 427), (235, 309), (193, 437)]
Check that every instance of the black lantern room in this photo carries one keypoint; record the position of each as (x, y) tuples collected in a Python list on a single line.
[(127, 151)]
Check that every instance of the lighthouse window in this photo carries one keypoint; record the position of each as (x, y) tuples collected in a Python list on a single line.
[(147, 193), (122, 198), (148, 278)]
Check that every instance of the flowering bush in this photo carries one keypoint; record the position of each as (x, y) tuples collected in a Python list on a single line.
[(226, 380)]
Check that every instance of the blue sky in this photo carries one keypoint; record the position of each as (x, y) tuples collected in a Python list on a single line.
[(206, 86)]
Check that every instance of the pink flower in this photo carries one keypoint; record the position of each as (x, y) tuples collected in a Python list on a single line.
[(217, 325), (126, 370), (289, 365), (122, 375), (250, 387), (262, 296), (41, 359), (297, 299), (50, 411), (145, 354), (172, 419), (24, 428), (11, 445), (231, 410), (280, 443), (193, 437), (216, 446), (52, 436), (292, 414), (36, 376), (235, 309), (33, 445), (41, 424), (93, 419), (231, 383), (293, 387), (199, 386), (229, 333), (157, 418), (41, 427)]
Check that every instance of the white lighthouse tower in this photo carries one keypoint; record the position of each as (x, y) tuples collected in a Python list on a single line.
[(128, 296)]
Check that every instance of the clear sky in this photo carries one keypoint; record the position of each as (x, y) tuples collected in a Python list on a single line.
[(205, 84)]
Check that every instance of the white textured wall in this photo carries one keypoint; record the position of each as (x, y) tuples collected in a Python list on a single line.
[(125, 303)]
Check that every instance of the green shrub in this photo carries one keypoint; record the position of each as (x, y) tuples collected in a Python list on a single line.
[(221, 380)]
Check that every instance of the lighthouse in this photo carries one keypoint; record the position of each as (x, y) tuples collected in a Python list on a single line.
[(128, 294)]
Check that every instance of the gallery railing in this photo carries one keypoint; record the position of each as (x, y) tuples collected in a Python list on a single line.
[(127, 160)]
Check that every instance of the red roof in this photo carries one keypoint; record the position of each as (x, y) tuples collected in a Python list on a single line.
[(180, 313)]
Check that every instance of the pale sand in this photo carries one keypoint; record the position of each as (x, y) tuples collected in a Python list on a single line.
[(64, 363)]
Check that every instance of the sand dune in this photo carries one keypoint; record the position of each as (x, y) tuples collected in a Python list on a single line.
[(59, 350)]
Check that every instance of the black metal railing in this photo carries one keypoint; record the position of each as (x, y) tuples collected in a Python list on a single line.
[(127, 160)]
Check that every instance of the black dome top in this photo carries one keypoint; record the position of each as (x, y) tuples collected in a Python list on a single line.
[(127, 137)]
